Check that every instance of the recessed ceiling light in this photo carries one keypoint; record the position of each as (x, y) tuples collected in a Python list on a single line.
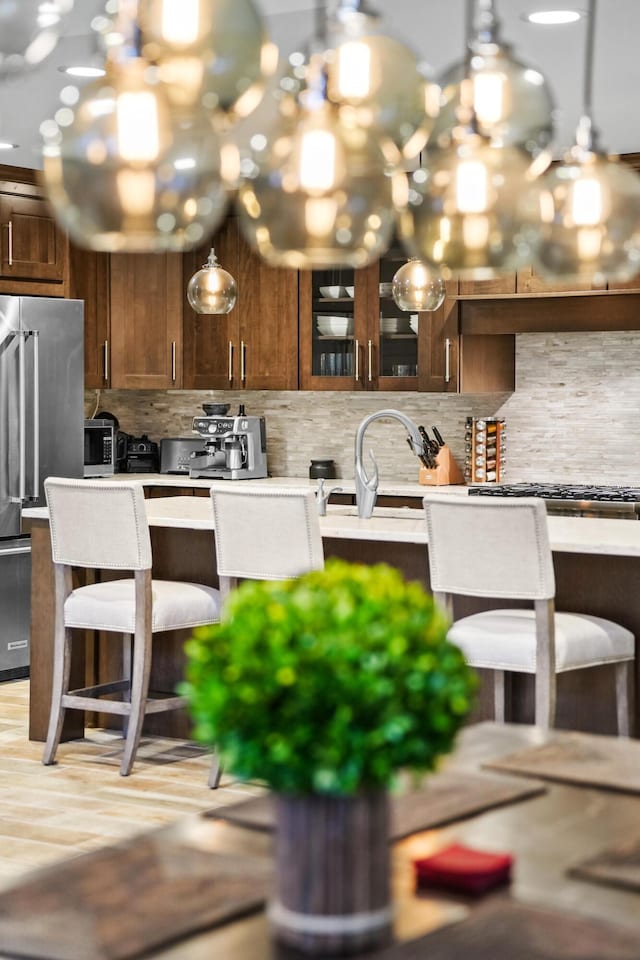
[(553, 17), (8, 146), (81, 71)]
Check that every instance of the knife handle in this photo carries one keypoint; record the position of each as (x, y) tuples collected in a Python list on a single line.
[(438, 436)]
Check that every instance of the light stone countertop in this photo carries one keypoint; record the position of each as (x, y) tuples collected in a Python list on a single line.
[(385, 488), (403, 525)]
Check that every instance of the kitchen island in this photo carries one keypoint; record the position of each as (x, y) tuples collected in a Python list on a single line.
[(597, 566)]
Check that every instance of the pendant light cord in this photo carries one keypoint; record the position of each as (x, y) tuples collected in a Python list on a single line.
[(586, 133), (588, 61)]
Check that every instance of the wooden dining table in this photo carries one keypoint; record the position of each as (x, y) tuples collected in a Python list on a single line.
[(547, 835)]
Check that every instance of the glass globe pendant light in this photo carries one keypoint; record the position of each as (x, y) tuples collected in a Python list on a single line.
[(212, 52), (126, 173), (316, 190), (212, 289), (590, 204), (29, 31), (417, 287), (378, 79), (511, 101), (473, 207)]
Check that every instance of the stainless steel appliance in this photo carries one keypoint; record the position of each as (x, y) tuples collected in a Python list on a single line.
[(234, 446), (175, 453), (99, 448), (41, 435), (142, 455), (573, 499)]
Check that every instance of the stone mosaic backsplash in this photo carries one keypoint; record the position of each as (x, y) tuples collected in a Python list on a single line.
[(574, 416)]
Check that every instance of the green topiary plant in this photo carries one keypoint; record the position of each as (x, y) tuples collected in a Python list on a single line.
[(328, 683)]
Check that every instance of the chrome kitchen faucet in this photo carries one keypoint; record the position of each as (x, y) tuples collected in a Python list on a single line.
[(367, 486)]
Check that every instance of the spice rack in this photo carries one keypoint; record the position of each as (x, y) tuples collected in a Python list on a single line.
[(485, 444)]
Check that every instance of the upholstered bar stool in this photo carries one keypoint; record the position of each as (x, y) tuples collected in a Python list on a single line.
[(499, 548), (263, 534), (103, 525)]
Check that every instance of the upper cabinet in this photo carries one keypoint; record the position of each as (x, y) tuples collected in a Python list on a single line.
[(133, 318), (33, 250), (255, 346)]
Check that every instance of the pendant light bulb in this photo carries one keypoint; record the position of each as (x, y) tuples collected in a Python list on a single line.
[(377, 80), (590, 204), (214, 53), (124, 172), (508, 101), (212, 289), (472, 209), (418, 287), (29, 31), (316, 192)]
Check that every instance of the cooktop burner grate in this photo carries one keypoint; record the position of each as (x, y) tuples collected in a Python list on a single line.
[(572, 498)]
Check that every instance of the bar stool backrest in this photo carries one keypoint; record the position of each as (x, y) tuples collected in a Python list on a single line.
[(98, 524), (266, 534), (483, 547)]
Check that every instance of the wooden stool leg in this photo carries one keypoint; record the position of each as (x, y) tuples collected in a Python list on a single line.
[(139, 691), (59, 686), (126, 673), (498, 696), (623, 702), (215, 772)]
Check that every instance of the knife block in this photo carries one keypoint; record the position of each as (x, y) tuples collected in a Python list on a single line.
[(445, 472)]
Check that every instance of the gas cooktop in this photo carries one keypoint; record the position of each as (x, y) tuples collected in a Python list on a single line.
[(571, 498)]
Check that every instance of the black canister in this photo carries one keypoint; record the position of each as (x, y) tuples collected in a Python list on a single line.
[(322, 468)]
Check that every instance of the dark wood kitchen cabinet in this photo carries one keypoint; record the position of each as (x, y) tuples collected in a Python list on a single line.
[(255, 346), (33, 249), (133, 318), (354, 337)]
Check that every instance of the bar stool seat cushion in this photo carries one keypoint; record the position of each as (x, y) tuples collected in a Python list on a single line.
[(506, 640), (111, 606)]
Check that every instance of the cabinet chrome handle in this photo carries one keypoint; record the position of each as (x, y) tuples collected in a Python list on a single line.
[(105, 347), (10, 226), (173, 361), (243, 360), (356, 362), (230, 361), (447, 361), (370, 360)]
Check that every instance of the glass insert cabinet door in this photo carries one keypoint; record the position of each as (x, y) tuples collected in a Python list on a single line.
[(352, 334), (335, 346)]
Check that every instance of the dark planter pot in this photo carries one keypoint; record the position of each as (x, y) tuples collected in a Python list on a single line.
[(333, 872)]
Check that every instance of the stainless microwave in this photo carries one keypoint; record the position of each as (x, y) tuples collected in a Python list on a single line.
[(99, 448)]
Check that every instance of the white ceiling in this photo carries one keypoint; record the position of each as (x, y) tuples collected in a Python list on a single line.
[(434, 28)]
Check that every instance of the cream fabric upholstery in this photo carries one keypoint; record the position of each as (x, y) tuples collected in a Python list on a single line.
[(485, 547), (499, 549), (269, 534), (506, 640), (108, 533), (103, 525), (111, 606)]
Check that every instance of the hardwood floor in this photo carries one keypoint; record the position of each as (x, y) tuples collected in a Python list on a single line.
[(81, 803)]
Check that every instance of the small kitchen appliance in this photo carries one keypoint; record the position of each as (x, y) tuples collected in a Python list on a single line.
[(142, 455), (234, 445), (99, 448), (176, 453)]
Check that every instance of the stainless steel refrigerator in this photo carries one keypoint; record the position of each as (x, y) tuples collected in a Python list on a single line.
[(41, 435)]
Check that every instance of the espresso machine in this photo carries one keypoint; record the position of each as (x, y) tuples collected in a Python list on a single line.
[(234, 445)]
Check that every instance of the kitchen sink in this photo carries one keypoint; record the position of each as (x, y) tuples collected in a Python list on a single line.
[(391, 513)]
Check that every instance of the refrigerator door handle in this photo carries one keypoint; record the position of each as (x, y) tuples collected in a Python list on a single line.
[(13, 551), (35, 493), (22, 419)]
